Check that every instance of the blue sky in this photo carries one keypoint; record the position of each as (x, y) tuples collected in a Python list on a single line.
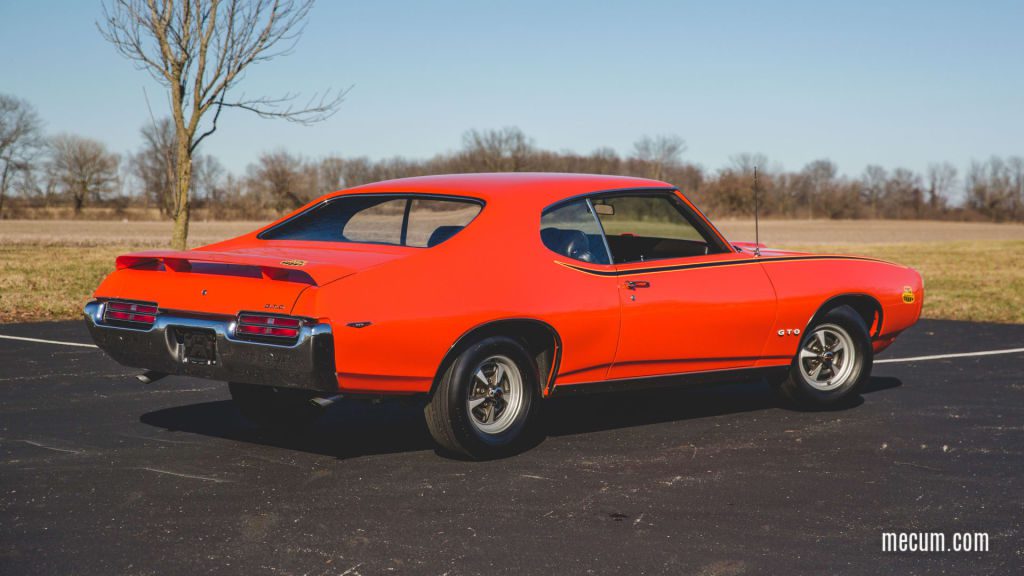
[(891, 83)]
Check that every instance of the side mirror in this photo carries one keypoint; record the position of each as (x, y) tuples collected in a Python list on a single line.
[(604, 209)]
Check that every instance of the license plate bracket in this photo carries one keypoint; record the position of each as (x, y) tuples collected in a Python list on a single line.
[(198, 346)]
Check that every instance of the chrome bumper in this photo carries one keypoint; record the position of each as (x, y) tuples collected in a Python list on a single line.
[(308, 364)]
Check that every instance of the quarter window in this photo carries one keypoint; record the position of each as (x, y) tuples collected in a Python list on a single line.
[(434, 221), (378, 223), (572, 231), (417, 221)]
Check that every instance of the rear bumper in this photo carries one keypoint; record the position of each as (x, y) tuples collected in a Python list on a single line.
[(307, 364)]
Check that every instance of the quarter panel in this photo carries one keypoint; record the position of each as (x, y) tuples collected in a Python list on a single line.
[(419, 306), (803, 286)]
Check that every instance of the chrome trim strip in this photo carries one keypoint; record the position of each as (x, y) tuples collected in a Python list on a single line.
[(307, 363)]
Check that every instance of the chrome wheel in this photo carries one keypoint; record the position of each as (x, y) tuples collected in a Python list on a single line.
[(827, 357), (495, 395)]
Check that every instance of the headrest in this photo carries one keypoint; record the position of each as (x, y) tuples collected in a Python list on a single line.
[(441, 234)]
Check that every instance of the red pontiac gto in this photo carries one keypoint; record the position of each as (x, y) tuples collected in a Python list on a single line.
[(489, 292)]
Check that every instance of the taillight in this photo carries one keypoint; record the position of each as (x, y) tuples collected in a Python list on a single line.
[(134, 314), (266, 327)]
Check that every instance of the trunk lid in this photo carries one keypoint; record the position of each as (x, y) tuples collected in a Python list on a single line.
[(229, 280)]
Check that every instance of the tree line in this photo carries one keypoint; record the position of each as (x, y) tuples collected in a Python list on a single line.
[(67, 170), (200, 51)]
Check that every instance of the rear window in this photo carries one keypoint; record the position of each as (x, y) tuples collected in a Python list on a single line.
[(419, 221)]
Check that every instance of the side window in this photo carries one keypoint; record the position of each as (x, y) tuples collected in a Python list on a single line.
[(380, 223), (572, 231), (639, 228), (416, 221), (434, 221)]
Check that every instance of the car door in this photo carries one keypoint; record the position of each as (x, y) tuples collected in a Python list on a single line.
[(580, 291), (689, 302)]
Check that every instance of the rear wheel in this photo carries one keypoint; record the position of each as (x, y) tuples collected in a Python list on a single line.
[(275, 409), (486, 400), (833, 362)]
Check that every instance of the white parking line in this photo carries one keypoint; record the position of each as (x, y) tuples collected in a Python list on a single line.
[(41, 341), (883, 361), (944, 356), (180, 475)]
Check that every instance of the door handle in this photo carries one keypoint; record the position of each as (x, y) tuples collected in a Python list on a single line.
[(634, 284)]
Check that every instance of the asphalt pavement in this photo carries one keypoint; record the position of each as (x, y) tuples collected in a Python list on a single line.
[(100, 474)]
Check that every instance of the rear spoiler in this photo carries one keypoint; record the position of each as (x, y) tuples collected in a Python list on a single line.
[(233, 264)]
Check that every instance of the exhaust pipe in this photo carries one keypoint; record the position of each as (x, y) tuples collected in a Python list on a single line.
[(149, 376), (325, 402)]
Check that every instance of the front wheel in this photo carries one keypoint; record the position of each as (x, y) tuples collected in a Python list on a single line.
[(486, 401), (833, 362)]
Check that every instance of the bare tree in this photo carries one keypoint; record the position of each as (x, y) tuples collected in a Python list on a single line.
[(155, 166), (873, 186), (732, 191), (819, 181), (200, 50), (207, 175), (284, 179), (995, 188), (20, 141), (504, 150), (904, 194), (81, 168), (660, 153), (1015, 164), (745, 163), (603, 160), (941, 179), (331, 173)]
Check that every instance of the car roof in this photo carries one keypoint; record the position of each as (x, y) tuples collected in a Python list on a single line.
[(542, 188)]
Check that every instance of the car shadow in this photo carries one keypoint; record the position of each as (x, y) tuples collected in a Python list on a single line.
[(350, 429)]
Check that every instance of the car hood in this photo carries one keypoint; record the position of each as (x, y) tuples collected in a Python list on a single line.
[(749, 247)]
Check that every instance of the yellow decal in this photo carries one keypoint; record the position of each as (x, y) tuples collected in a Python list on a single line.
[(293, 262), (908, 295)]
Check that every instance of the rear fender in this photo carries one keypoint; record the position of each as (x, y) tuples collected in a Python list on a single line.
[(539, 337)]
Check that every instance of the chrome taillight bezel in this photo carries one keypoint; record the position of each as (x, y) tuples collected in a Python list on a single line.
[(269, 328), (130, 313)]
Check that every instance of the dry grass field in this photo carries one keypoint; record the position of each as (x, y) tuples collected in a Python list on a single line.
[(973, 271)]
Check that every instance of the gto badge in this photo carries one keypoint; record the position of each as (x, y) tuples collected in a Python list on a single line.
[(273, 306), (908, 295), (789, 332), (296, 263)]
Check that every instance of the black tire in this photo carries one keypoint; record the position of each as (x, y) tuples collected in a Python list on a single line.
[(274, 409), (457, 428), (832, 384)]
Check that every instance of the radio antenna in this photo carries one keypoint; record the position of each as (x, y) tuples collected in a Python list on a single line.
[(757, 223)]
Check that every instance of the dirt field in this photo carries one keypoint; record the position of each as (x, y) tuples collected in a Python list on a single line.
[(773, 232), (973, 271), (776, 233), (98, 233)]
